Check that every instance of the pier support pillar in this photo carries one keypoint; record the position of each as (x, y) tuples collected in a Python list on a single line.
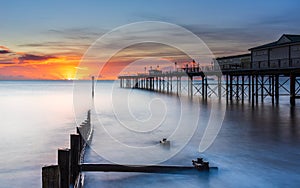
[(230, 88), (272, 88), (249, 88), (262, 88), (243, 89), (252, 89), (237, 93), (206, 87), (219, 87), (190, 86), (277, 89), (256, 89), (292, 90), (203, 87), (227, 88)]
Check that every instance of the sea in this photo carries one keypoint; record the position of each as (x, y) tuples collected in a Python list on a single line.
[(250, 146)]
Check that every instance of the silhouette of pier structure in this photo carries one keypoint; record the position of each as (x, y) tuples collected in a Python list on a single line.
[(269, 71)]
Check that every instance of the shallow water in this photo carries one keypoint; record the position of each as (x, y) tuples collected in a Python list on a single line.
[(256, 147)]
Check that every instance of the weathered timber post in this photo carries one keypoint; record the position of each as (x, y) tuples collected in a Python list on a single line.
[(64, 167), (50, 176), (93, 86), (75, 155)]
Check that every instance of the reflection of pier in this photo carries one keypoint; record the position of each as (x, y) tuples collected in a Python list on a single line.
[(270, 71)]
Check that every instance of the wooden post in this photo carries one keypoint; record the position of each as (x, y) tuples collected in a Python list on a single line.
[(93, 86), (75, 154), (64, 167), (292, 89), (50, 176)]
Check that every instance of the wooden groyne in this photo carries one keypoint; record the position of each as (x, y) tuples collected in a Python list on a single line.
[(139, 169), (67, 172)]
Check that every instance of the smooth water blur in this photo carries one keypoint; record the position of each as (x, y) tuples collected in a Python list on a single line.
[(36, 118), (256, 147)]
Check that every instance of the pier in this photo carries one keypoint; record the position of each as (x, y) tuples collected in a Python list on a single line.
[(269, 71), (253, 85)]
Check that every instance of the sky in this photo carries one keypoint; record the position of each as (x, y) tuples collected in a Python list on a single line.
[(47, 39)]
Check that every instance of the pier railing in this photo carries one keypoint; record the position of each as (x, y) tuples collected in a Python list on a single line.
[(67, 172)]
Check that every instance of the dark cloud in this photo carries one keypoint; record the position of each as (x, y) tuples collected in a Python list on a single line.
[(4, 52), (78, 33), (6, 62), (31, 57)]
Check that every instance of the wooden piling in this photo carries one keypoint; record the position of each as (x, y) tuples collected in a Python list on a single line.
[(64, 167), (93, 86), (75, 155), (50, 176)]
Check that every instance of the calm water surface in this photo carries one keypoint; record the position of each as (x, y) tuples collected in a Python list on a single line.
[(256, 147)]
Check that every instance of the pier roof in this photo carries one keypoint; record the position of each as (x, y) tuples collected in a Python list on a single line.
[(283, 40)]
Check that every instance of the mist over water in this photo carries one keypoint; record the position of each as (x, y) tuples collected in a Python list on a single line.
[(36, 119), (256, 147)]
